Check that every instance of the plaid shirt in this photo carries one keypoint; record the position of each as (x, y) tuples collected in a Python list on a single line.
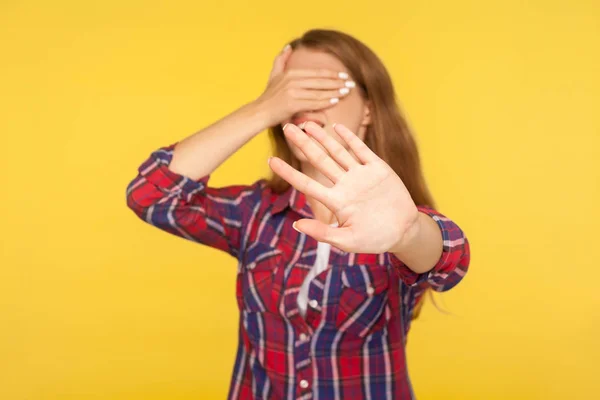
[(351, 343)]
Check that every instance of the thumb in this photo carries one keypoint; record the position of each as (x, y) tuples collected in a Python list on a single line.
[(280, 61), (338, 237)]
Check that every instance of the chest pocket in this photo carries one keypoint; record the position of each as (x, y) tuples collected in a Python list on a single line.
[(256, 281), (363, 304)]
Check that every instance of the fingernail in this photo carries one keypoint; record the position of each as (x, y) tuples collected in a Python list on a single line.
[(344, 90), (301, 126), (343, 75), (294, 226), (350, 84), (284, 127), (333, 126), (334, 100)]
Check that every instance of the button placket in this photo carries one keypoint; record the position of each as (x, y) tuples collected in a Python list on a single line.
[(302, 352), (303, 363)]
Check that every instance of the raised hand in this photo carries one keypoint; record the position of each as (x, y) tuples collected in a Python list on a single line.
[(373, 207), (298, 90)]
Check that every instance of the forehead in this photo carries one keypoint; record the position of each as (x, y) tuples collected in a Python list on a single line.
[(303, 58)]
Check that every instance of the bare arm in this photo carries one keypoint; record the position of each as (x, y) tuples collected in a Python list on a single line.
[(434, 236), (288, 93), (421, 247), (171, 189), (200, 154)]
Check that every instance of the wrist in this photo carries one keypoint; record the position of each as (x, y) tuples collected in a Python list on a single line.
[(409, 236), (260, 112)]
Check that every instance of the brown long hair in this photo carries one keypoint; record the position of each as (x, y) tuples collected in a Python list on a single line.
[(388, 134)]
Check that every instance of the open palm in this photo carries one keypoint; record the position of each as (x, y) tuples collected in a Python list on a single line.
[(369, 200)]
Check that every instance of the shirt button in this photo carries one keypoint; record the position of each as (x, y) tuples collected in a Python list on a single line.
[(370, 290), (303, 337), (313, 303), (303, 383)]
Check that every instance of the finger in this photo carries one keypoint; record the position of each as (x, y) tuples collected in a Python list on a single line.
[(300, 181), (315, 155), (322, 84), (318, 73), (333, 147), (311, 94), (362, 151), (280, 61), (339, 237), (286, 53), (317, 105)]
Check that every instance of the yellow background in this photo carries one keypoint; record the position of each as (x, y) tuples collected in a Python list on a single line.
[(95, 304)]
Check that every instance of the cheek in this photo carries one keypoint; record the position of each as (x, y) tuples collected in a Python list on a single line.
[(348, 113)]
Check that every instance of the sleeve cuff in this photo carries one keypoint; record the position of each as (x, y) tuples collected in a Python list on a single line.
[(156, 171), (454, 244)]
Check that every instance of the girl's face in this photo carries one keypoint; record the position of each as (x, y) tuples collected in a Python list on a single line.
[(351, 111)]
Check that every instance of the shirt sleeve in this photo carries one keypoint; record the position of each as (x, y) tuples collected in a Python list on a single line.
[(179, 205), (453, 263)]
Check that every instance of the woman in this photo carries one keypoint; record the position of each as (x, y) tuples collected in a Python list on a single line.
[(337, 249)]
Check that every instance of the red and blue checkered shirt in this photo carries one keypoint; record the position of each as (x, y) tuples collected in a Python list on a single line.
[(351, 342)]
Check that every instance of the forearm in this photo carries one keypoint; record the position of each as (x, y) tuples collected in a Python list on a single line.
[(201, 153), (421, 246)]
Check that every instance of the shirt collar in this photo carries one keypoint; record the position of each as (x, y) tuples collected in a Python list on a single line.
[(294, 199)]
